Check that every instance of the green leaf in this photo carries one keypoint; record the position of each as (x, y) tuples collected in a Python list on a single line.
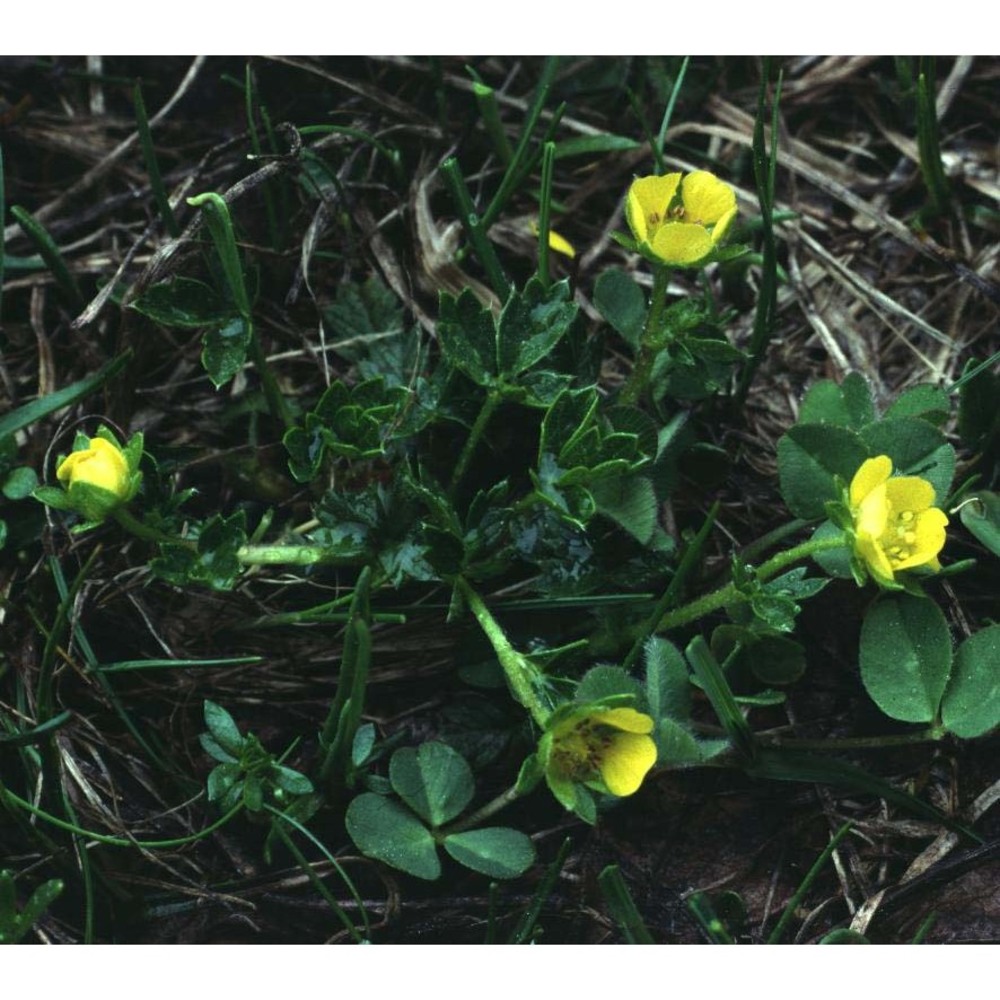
[(605, 681), (836, 562), (496, 851), (290, 780), (971, 705), (588, 145), (38, 409), (927, 401), (668, 689), (223, 728), (775, 659), (381, 828), (364, 741), (433, 780), (844, 935), (809, 456), (629, 501), (20, 483), (622, 303), (916, 449), (221, 780), (212, 748), (982, 518), (531, 324), (905, 656), (183, 302), (468, 337), (676, 745), (224, 350), (978, 414)]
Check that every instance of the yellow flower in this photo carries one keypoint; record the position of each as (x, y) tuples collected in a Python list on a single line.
[(679, 229), (896, 525), (607, 748)]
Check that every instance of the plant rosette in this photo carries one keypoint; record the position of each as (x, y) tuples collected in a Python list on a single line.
[(98, 477), (679, 222), (892, 522), (602, 745)]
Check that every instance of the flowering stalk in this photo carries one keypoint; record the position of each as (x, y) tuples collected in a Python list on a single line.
[(522, 675), (724, 595), (653, 339)]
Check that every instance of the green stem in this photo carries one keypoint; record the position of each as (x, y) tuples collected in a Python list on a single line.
[(522, 675), (490, 403), (728, 593), (134, 526), (544, 206), (276, 402), (932, 734), (7, 796), (475, 228), (652, 341), (485, 812), (289, 555), (793, 904)]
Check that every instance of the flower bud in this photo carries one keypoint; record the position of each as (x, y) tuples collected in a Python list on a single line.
[(98, 477)]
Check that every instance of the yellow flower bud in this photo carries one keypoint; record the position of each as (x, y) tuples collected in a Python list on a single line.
[(100, 464), (97, 479)]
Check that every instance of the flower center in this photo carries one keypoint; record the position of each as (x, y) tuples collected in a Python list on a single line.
[(899, 540), (579, 752)]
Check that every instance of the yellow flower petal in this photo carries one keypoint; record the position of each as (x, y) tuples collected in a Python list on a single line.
[(626, 719), (873, 514), (909, 493), (706, 199), (647, 202), (929, 541), (722, 226), (681, 243), (626, 761), (560, 244), (872, 473)]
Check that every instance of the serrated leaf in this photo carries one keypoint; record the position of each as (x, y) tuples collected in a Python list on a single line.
[(496, 851), (381, 828), (905, 656), (433, 780), (629, 501), (971, 704), (927, 401), (468, 337), (531, 324), (809, 456)]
